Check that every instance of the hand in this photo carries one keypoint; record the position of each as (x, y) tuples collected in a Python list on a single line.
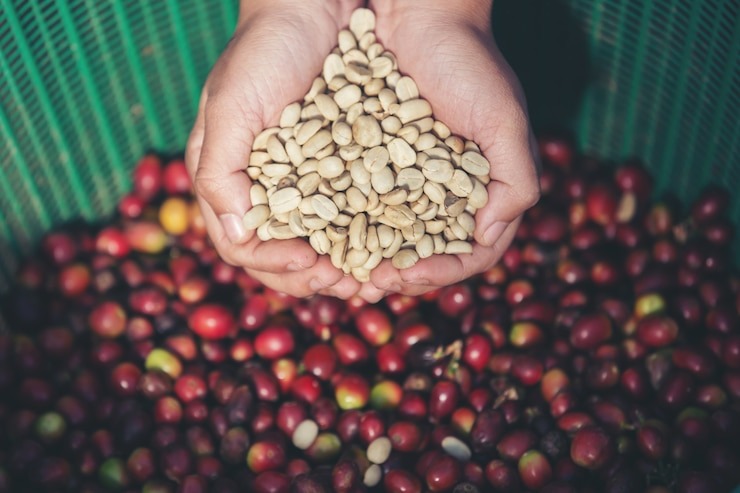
[(278, 48), (448, 49)]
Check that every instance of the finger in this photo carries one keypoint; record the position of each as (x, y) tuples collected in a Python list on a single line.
[(346, 288), (276, 256), (370, 293), (195, 139), (388, 279), (219, 177), (514, 185), (303, 283), (443, 270)]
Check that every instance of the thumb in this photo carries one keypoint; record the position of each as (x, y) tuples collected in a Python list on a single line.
[(514, 186), (220, 179)]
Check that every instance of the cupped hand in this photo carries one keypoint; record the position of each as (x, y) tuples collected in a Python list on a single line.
[(278, 48), (449, 50)]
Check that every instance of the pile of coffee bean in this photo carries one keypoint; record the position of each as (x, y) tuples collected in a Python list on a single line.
[(362, 169)]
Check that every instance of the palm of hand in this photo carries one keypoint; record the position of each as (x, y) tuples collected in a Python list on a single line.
[(471, 89), (265, 69)]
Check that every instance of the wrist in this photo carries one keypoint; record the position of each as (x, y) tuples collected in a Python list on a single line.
[(474, 12), (338, 10)]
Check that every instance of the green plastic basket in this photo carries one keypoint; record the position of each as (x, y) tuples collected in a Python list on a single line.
[(88, 86)]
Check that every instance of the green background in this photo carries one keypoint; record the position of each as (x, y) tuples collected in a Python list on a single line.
[(88, 86)]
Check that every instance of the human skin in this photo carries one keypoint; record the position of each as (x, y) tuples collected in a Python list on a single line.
[(446, 46)]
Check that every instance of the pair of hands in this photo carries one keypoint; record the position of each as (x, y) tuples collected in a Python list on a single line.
[(278, 48)]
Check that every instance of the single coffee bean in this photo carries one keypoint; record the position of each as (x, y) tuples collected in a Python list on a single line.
[(381, 66), (396, 196), (308, 184), (414, 232), (316, 143), (406, 89), (379, 450), (284, 200), (372, 476), (401, 153), (256, 216), (358, 232), (400, 215), (338, 253), (361, 21), (318, 86), (393, 79), (333, 66), (354, 112), (366, 40), (373, 260), (367, 132), (374, 51), (327, 106), (276, 170), (413, 109), (385, 235), (280, 231), (478, 196), (347, 40), (437, 170), (305, 434), (341, 182), (426, 141), (351, 152), (330, 167), (456, 448), (337, 83), (340, 200), (260, 141), (314, 222), (324, 207), (320, 242), (307, 130), (460, 184), (290, 115), (454, 205), (310, 112), (458, 247), (376, 159), (356, 258), (435, 226), (441, 130), (383, 180), (395, 246), (336, 233), (425, 246), (405, 258), (341, 132), (356, 199), (347, 96), (475, 164), (257, 195), (373, 87), (276, 150), (358, 171), (358, 74)]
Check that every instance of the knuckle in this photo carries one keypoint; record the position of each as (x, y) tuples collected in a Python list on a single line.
[(529, 196), (204, 185)]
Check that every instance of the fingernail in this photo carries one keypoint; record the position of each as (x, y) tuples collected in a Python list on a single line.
[(233, 227), (494, 231)]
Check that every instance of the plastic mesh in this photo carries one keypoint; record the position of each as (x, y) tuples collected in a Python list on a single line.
[(89, 86)]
